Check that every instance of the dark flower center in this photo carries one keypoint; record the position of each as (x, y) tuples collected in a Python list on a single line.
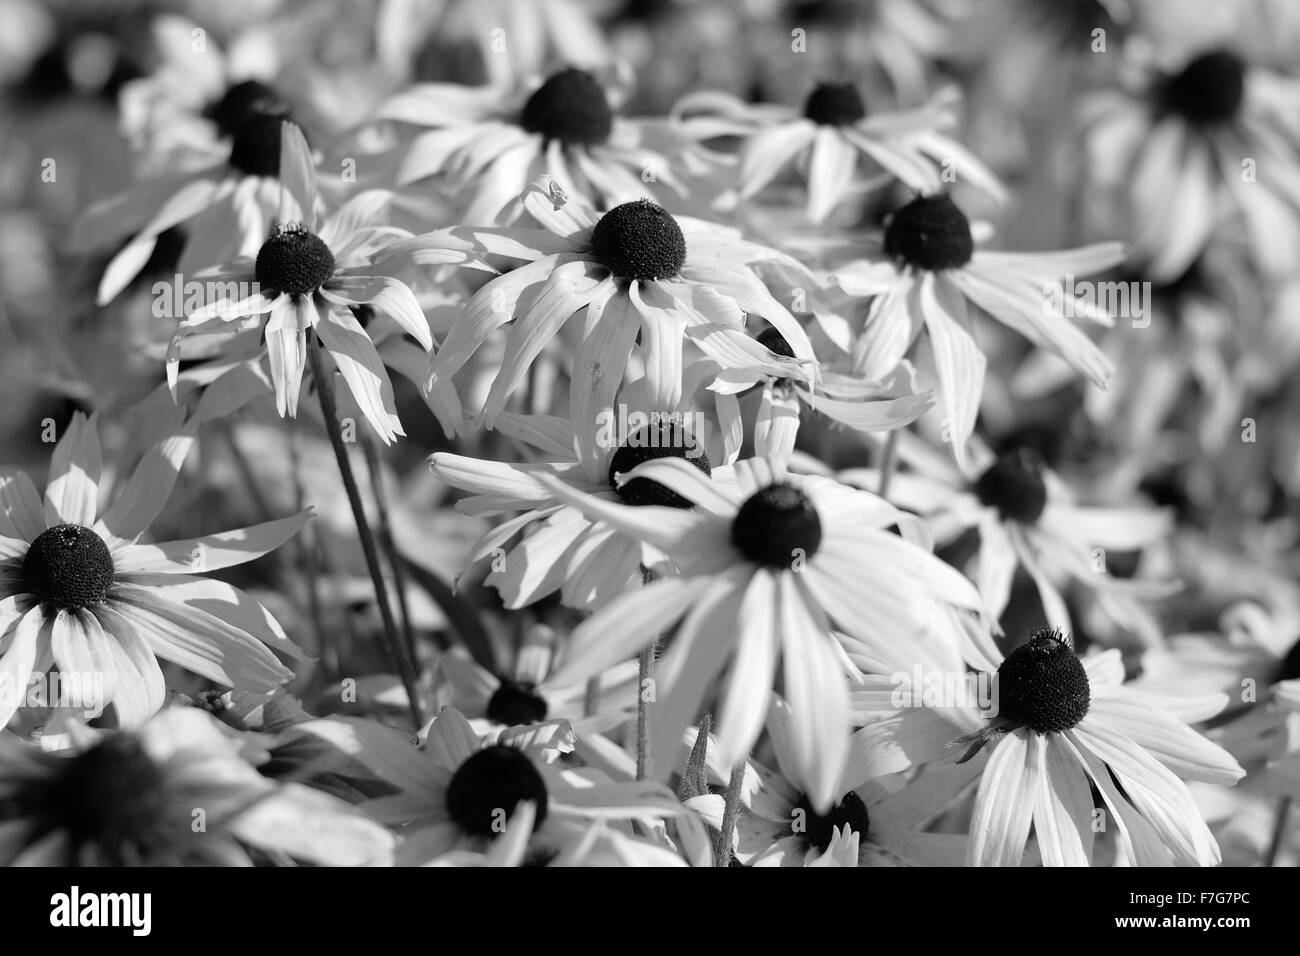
[(1290, 666), (112, 794), (819, 829), (255, 150), (1042, 684), (834, 104), (516, 702), (294, 261), (68, 567), (488, 786), (639, 240), (931, 233), (1014, 485), (1208, 90), (772, 340), (570, 107), (661, 440), (777, 525), (244, 102)]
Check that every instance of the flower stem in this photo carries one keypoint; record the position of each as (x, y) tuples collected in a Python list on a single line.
[(645, 664), (385, 533), (309, 554), (329, 409), (888, 459), (1279, 831), (730, 811)]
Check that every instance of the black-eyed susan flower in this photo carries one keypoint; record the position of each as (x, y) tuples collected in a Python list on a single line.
[(459, 791), (767, 567), (634, 271), (927, 273), (178, 791), (829, 139), (80, 592), (298, 280)]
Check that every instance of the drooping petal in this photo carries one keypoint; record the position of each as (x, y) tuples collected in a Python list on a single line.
[(360, 365), (211, 552)]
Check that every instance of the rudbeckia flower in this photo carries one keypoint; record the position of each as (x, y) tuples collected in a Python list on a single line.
[(844, 399), (1063, 726), (492, 143), (767, 567), (297, 279), (929, 272), (633, 271), (829, 138), (226, 202), (1193, 147), (524, 693), (877, 822), (1027, 517), (81, 593), (458, 792), (561, 548), (130, 799)]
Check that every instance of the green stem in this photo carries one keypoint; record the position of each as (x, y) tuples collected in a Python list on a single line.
[(1279, 831), (385, 532), (888, 459), (329, 409), (730, 811), (645, 664)]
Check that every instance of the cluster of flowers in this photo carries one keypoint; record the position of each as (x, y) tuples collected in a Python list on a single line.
[(717, 395)]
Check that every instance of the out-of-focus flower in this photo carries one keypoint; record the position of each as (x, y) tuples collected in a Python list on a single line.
[(830, 136), (130, 799)]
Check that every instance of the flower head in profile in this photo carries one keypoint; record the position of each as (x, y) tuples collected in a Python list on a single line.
[(831, 136), (559, 547), (927, 275), (81, 593), (211, 137), (1027, 517), (878, 822), (1171, 144), (1061, 726), (299, 281), (458, 791), (767, 567), (492, 142), (128, 798), (634, 273)]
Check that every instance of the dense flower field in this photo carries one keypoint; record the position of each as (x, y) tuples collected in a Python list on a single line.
[(609, 433)]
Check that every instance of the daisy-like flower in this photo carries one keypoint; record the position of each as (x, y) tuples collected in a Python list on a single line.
[(844, 399), (296, 279), (829, 138), (226, 202), (1254, 658), (1192, 146), (635, 270), (767, 566), (1027, 517), (527, 695), (492, 143), (80, 592), (1063, 726), (930, 271), (458, 791), (561, 548), (536, 34), (877, 822), (129, 799)]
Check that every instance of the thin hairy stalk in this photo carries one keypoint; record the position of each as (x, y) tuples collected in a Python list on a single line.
[(329, 409)]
